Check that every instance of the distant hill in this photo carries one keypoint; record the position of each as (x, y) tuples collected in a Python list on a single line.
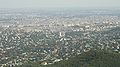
[(93, 58)]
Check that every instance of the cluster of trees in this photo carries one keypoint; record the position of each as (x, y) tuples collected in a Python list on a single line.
[(92, 58)]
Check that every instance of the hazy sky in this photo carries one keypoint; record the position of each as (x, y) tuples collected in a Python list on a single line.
[(58, 3)]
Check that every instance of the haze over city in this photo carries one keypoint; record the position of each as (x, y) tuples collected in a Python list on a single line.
[(57, 3)]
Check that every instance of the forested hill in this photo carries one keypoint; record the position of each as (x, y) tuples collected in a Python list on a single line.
[(92, 58)]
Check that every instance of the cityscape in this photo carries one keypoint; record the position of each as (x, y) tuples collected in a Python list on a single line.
[(48, 37)]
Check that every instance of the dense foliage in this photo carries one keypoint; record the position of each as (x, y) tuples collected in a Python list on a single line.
[(92, 58)]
